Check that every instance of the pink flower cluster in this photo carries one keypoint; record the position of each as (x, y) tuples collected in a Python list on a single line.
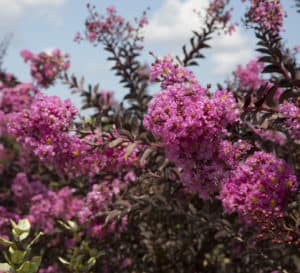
[(46, 208), (216, 10), (43, 123), (44, 129), (14, 97), (267, 14), (46, 67), (96, 200), (100, 27), (292, 114), (271, 135), (17, 98), (168, 73), (261, 182), (43, 207), (191, 126), (249, 76), (249, 79), (23, 189)]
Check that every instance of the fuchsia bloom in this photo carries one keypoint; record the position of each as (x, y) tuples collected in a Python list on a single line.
[(191, 126), (271, 135), (95, 204), (216, 10), (249, 79), (292, 114), (266, 14), (168, 73), (44, 67), (100, 27), (17, 98), (111, 9), (262, 182), (77, 37), (46, 208), (43, 127), (249, 76), (14, 97), (23, 190), (47, 117), (143, 21), (44, 130)]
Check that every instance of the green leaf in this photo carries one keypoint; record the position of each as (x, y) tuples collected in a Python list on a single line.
[(115, 143), (21, 230), (5, 242), (28, 267), (5, 267), (63, 261), (36, 260), (13, 223), (24, 225), (73, 226), (67, 227), (17, 256), (91, 262), (23, 236)]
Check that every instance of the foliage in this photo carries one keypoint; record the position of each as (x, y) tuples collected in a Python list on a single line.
[(194, 179), (18, 258)]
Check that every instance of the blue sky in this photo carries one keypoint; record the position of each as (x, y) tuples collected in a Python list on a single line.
[(45, 24)]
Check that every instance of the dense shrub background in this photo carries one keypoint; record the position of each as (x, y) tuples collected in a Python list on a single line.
[(191, 180)]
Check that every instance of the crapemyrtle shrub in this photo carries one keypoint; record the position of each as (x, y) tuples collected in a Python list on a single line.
[(193, 179)]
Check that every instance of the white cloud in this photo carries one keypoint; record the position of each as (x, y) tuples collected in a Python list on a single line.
[(229, 51), (9, 8), (174, 21), (48, 50), (171, 26), (12, 11), (43, 2)]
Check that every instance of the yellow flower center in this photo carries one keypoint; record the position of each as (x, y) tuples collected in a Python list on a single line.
[(180, 73), (272, 202), (274, 180), (166, 70), (261, 187), (76, 152), (226, 150), (224, 97), (254, 199), (289, 183)]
